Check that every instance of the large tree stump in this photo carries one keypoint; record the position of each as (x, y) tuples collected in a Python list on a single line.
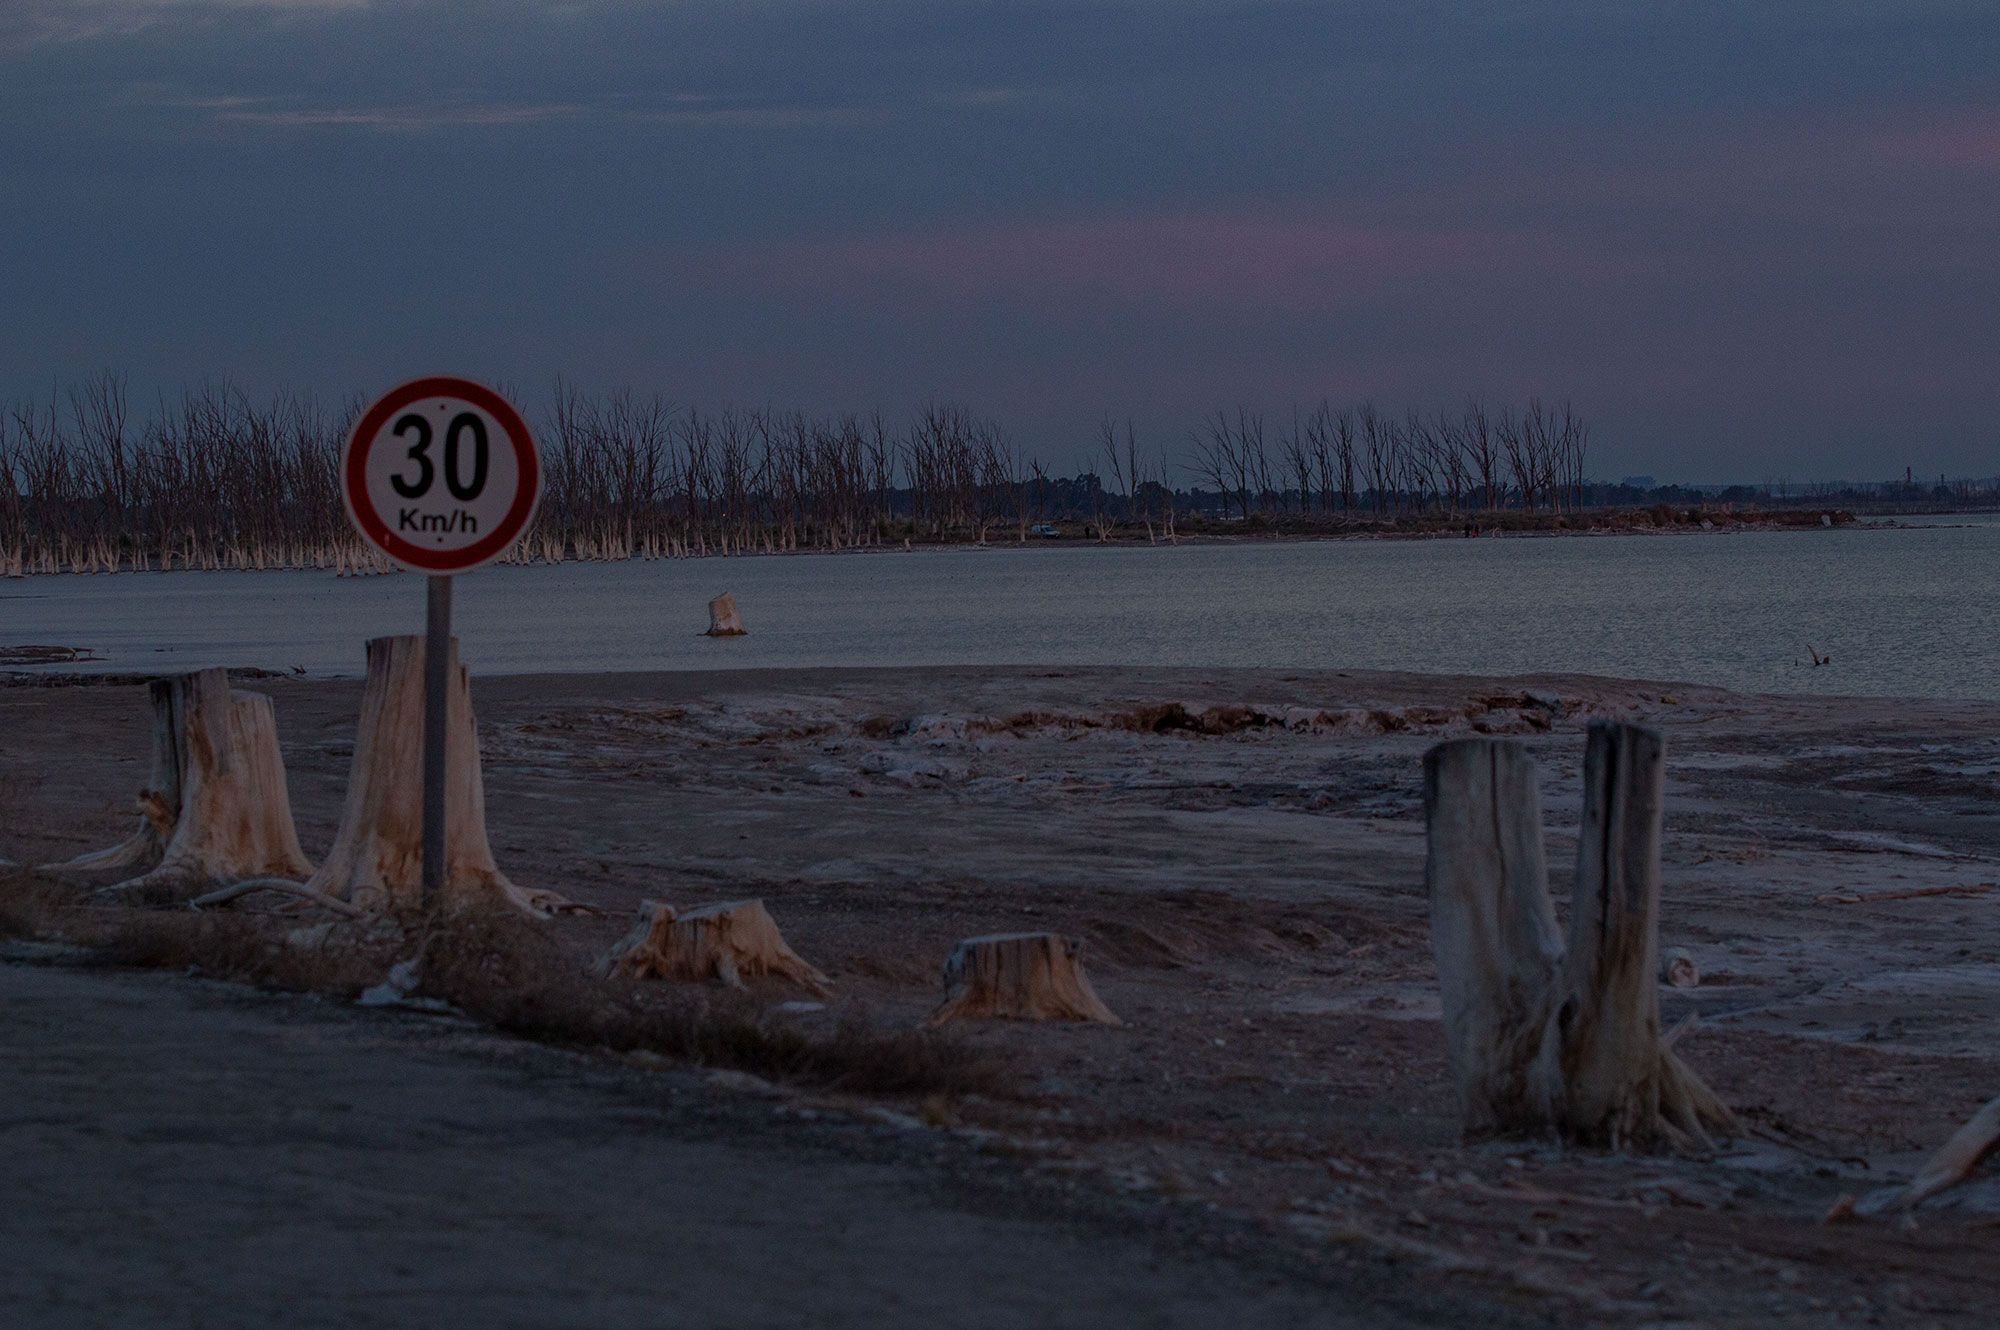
[(1499, 952), (376, 862), (216, 809), (1023, 976), (1545, 1038), (723, 620), (730, 941)]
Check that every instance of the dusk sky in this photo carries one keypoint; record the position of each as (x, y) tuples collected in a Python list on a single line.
[(1749, 240)]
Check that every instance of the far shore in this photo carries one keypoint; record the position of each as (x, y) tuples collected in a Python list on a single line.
[(346, 557)]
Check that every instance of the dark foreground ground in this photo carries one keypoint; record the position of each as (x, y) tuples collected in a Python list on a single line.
[(1246, 874), (185, 1154)]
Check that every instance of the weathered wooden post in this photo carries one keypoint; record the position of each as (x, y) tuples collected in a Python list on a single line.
[(1493, 931), (723, 620), (1611, 1036)]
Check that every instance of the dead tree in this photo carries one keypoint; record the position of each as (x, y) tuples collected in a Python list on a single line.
[(731, 941), (215, 809), (376, 863), (1543, 1037), (1024, 976)]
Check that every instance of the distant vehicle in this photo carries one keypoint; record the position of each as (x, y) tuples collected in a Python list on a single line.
[(1044, 529)]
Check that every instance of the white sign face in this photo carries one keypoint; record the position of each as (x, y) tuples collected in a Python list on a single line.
[(441, 475)]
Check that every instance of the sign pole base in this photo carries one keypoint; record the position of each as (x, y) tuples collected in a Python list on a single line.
[(437, 693)]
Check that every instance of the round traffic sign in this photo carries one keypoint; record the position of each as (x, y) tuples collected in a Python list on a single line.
[(441, 475)]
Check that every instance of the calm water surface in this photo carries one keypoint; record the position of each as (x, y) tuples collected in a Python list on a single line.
[(1902, 612)]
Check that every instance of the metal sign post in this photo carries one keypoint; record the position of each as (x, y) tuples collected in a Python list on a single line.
[(442, 476), (437, 706)]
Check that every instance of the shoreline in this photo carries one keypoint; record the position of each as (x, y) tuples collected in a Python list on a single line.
[(727, 678)]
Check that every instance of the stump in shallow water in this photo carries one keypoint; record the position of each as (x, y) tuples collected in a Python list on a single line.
[(1545, 1037), (216, 808), (723, 620), (376, 862), (1022, 976), (730, 941)]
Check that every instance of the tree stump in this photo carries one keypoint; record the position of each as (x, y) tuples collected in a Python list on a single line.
[(723, 620), (1543, 1037), (376, 862), (1021, 976), (216, 808), (730, 941)]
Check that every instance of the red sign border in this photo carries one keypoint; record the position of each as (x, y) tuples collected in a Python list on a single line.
[(354, 469)]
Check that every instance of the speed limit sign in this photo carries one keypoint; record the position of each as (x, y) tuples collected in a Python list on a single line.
[(441, 475)]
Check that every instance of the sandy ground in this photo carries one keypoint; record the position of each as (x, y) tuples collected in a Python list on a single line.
[(1252, 904)]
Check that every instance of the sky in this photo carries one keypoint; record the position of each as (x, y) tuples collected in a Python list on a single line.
[(1749, 241)]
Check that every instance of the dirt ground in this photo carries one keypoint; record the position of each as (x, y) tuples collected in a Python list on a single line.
[(1242, 852)]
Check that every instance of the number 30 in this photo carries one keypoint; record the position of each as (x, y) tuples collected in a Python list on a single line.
[(464, 491)]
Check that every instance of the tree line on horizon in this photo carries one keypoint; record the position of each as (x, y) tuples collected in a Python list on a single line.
[(214, 479)]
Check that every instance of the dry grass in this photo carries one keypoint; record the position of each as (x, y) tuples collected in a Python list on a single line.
[(245, 949), (32, 906), (517, 976)]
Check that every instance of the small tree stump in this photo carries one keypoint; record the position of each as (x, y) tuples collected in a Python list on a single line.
[(1022, 976), (723, 620), (730, 941), (1543, 1037), (376, 862), (216, 808), (1678, 968)]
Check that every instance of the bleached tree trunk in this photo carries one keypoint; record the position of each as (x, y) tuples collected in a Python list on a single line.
[(729, 941), (376, 862), (1023, 976), (1543, 1038), (1493, 931), (1625, 1085), (216, 809)]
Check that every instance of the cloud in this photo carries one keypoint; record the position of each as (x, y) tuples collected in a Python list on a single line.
[(1277, 260), (1968, 140), (404, 119), (31, 23)]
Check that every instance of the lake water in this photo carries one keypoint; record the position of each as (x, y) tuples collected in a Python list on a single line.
[(1902, 612)]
